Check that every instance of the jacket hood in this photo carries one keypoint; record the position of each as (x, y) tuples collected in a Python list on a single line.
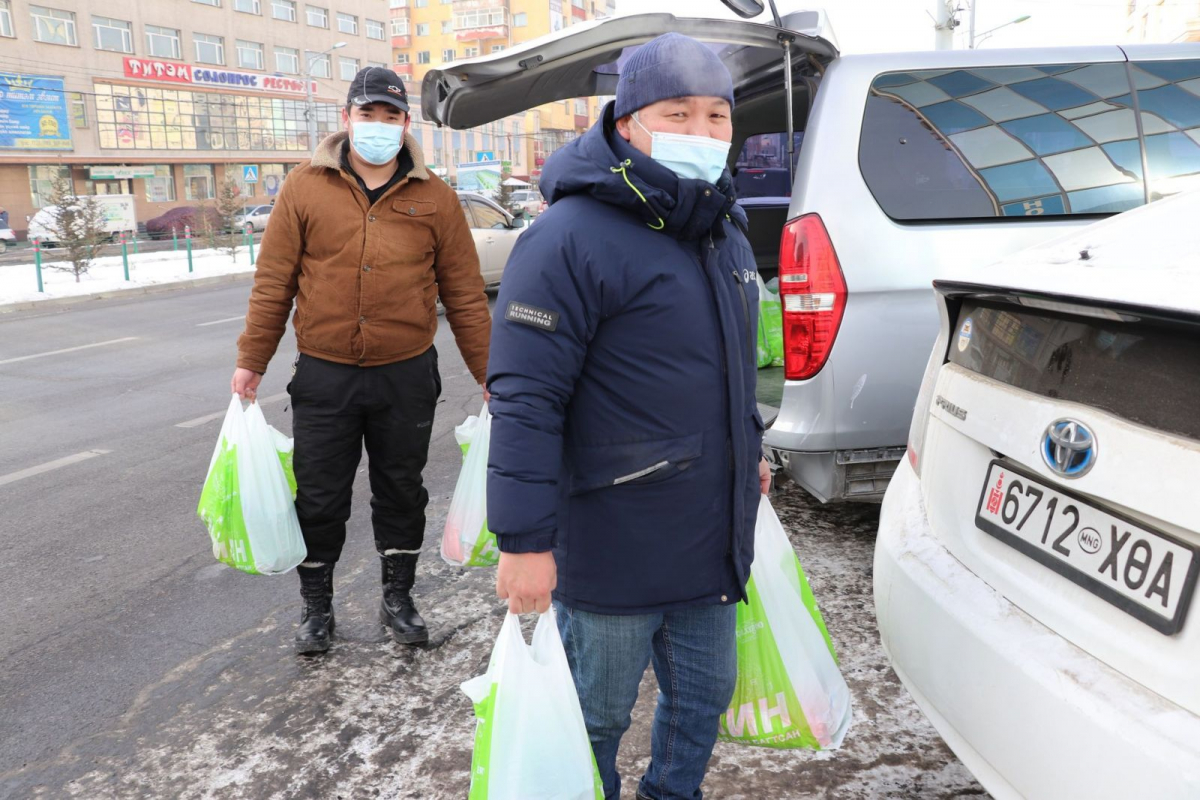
[(605, 166), (328, 155)]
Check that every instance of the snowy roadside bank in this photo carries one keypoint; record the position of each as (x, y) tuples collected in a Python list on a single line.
[(18, 282)]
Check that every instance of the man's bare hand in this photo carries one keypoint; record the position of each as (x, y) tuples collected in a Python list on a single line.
[(487, 396), (245, 383), (764, 476), (526, 580)]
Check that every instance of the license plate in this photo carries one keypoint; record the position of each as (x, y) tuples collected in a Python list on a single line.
[(1145, 573)]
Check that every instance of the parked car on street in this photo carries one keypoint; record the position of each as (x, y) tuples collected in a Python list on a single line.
[(495, 232), (254, 217), (528, 200), (910, 162), (177, 220), (7, 237), (1038, 550)]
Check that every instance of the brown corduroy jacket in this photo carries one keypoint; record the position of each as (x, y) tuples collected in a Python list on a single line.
[(365, 278)]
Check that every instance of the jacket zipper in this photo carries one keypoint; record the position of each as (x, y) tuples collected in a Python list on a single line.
[(359, 184), (745, 313), (729, 399), (745, 302)]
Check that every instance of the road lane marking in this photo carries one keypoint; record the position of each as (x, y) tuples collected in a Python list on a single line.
[(220, 321), (51, 465), (198, 421), (68, 350)]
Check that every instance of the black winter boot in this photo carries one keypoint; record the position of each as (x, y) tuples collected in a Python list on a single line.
[(397, 612), (316, 625)]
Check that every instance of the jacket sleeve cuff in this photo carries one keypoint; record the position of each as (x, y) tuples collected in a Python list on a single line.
[(253, 366), (539, 542)]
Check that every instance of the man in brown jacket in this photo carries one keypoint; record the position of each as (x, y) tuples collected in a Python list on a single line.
[(365, 239)]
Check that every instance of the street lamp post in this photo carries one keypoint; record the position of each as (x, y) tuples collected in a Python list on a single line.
[(309, 107), (974, 42)]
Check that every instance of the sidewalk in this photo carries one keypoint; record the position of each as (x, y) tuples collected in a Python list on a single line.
[(148, 272)]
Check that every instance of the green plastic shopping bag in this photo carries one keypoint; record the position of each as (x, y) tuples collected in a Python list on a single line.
[(770, 327), (248, 499), (530, 739), (466, 540), (790, 693)]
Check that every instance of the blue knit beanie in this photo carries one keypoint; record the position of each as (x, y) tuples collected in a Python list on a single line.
[(673, 65)]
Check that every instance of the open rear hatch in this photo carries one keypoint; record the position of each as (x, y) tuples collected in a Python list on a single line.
[(584, 61)]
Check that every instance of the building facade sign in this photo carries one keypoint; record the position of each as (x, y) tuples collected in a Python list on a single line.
[(479, 176), (120, 173), (33, 113), (149, 69)]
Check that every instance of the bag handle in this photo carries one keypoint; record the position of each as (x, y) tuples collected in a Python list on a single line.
[(546, 650)]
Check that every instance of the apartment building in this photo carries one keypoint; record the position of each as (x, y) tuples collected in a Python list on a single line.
[(166, 99), (428, 33), (1164, 21)]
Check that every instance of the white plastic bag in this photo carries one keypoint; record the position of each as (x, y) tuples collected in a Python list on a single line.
[(248, 500), (466, 540), (530, 739), (790, 693)]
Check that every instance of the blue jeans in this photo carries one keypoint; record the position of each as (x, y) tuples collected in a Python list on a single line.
[(694, 652)]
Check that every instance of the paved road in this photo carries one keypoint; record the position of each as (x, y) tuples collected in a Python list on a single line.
[(133, 665)]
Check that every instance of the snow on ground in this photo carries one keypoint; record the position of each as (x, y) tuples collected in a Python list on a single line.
[(18, 282), (376, 720)]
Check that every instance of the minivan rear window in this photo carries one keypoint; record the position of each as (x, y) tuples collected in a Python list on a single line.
[(1051, 140), (1169, 96), (1103, 364)]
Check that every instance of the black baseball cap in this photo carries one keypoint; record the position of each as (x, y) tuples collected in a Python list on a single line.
[(377, 85)]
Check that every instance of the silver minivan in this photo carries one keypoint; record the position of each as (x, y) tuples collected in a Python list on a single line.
[(897, 166)]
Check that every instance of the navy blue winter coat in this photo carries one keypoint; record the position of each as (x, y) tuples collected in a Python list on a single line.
[(625, 434)]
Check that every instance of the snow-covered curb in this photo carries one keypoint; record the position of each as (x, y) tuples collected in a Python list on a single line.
[(18, 282)]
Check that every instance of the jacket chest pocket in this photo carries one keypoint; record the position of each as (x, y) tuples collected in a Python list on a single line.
[(633, 464), (408, 225)]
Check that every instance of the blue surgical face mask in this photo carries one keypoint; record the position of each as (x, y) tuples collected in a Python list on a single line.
[(377, 142), (699, 158)]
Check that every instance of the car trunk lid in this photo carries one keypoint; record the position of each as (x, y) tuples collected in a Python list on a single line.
[(1059, 465), (585, 59)]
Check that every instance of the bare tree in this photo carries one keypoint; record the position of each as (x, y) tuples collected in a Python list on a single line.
[(77, 226), (504, 193), (221, 229)]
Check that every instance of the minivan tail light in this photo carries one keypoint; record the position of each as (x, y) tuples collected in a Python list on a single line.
[(813, 292)]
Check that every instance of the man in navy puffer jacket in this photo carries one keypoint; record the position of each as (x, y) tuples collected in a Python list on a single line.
[(625, 461)]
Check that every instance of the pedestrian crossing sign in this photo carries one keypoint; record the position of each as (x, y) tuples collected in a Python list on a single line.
[(250, 174)]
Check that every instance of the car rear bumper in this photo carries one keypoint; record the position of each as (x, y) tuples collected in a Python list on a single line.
[(846, 455), (843, 475), (1029, 713)]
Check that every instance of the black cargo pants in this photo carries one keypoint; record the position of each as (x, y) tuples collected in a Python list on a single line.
[(336, 409)]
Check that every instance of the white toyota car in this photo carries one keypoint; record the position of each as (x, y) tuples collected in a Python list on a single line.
[(1038, 549)]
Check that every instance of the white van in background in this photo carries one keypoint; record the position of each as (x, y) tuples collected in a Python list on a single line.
[(119, 217)]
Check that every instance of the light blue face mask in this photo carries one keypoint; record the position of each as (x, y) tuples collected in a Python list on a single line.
[(690, 157), (377, 142)]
